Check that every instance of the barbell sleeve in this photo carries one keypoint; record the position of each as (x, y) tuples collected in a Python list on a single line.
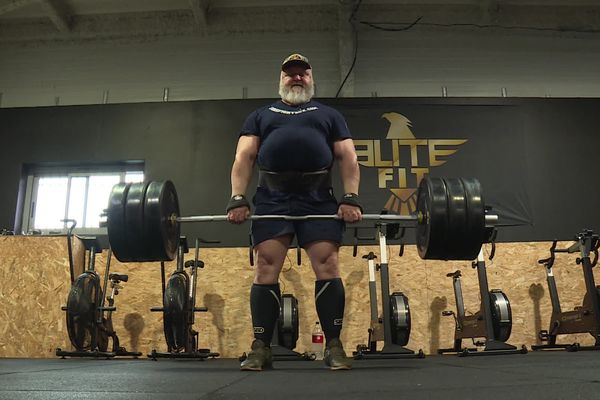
[(491, 220)]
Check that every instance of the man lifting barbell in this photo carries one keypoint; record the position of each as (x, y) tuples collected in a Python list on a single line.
[(451, 221), (294, 142)]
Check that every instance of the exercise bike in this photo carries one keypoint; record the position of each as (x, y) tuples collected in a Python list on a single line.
[(179, 307), (393, 326), (585, 318), (493, 321), (89, 320)]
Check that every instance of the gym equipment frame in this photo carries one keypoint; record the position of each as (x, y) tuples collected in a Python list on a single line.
[(493, 321), (393, 326), (89, 321), (585, 318), (179, 307)]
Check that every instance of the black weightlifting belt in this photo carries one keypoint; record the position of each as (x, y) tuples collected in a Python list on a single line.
[(295, 182)]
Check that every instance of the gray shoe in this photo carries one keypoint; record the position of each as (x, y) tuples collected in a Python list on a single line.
[(259, 358), (335, 356)]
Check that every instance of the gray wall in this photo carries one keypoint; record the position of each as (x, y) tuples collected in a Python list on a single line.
[(418, 62)]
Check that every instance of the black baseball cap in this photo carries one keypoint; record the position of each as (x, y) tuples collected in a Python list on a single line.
[(295, 59)]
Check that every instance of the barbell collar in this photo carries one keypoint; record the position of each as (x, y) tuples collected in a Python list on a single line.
[(491, 220)]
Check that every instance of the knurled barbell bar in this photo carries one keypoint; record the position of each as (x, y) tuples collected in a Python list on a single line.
[(451, 221)]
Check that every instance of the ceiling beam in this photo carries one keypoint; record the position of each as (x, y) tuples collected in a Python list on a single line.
[(57, 15), (332, 19), (14, 5), (200, 11)]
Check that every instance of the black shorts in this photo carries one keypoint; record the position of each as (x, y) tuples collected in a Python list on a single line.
[(268, 202)]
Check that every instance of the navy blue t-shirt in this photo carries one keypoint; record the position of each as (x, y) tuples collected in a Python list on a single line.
[(296, 138)]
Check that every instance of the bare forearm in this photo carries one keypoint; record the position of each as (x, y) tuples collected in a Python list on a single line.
[(241, 173), (350, 211), (350, 174)]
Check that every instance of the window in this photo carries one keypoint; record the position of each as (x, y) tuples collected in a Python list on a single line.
[(56, 193)]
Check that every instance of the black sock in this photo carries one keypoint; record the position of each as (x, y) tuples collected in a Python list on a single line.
[(330, 300), (264, 305)]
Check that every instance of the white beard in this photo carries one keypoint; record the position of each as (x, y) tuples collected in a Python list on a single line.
[(296, 95)]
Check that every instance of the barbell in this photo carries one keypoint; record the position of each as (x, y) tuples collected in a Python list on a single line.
[(451, 221)]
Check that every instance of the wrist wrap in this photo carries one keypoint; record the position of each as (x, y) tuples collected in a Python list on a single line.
[(352, 200), (239, 200)]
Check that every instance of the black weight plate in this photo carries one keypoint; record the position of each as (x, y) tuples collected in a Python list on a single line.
[(475, 228), (161, 236), (288, 322), (501, 315), (400, 318), (134, 221), (176, 318), (456, 219), (431, 233), (116, 224), (82, 311)]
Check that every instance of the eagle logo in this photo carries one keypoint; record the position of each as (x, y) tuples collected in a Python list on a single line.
[(399, 126), (400, 177)]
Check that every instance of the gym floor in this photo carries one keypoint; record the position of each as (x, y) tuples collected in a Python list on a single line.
[(536, 375)]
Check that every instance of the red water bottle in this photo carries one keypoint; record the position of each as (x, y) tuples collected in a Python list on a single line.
[(317, 341)]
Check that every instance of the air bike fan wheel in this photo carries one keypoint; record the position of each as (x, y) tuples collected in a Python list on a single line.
[(400, 318), (82, 311), (288, 322), (176, 324), (501, 315)]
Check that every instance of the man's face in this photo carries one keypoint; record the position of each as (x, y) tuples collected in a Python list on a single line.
[(296, 85)]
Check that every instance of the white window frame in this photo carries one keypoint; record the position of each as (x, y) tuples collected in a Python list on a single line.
[(39, 171)]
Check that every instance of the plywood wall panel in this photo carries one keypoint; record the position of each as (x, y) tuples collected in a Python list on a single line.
[(34, 283)]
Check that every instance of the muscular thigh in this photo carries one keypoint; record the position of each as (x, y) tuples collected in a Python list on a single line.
[(270, 255), (323, 257)]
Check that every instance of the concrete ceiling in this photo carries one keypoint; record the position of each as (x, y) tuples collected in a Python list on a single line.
[(26, 22)]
